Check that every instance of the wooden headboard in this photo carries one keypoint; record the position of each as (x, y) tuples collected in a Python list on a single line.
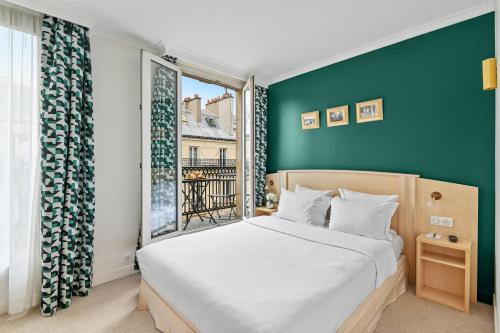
[(413, 215)]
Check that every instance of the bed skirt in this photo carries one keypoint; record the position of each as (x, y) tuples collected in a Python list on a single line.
[(364, 319)]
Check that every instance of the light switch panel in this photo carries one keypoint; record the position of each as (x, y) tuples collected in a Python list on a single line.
[(442, 221), (435, 220)]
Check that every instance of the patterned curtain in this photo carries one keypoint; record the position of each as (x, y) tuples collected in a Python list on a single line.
[(67, 161), (260, 144)]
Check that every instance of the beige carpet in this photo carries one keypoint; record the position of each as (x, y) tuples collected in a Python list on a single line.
[(112, 308)]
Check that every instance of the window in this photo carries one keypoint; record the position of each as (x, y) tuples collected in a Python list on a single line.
[(193, 156), (161, 176), (248, 151), (18, 131), (222, 156), (209, 153), (211, 122), (19, 184)]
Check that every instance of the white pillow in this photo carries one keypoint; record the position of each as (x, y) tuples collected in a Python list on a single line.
[(359, 196), (303, 207), (392, 235), (364, 218), (295, 207), (321, 205), (304, 189)]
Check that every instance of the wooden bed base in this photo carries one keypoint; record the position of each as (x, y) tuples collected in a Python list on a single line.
[(364, 319)]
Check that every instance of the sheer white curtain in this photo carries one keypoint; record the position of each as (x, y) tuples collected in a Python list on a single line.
[(20, 261)]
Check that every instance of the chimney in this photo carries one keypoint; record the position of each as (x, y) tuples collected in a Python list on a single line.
[(194, 105), (222, 106)]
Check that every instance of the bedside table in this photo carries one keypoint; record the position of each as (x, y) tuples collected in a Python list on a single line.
[(260, 211), (443, 271)]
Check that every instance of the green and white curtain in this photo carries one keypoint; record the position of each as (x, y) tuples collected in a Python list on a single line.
[(67, 162), (260, 144)]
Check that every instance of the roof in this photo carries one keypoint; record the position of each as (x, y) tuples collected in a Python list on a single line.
[(208, 127)]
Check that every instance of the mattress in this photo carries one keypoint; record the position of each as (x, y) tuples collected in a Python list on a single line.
[(266, 275)]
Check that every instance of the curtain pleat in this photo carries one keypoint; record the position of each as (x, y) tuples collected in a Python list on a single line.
[(68, 182), (260, 144)]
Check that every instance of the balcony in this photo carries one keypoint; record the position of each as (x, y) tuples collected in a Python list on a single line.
[(206, 162), (208, 192)]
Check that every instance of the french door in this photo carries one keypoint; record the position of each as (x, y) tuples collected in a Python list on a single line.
[(248, 148), (161, 140)]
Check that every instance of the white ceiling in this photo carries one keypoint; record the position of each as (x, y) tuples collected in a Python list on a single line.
[(272, 39)]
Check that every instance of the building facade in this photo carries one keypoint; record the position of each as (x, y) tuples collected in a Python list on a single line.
[(208, 135)]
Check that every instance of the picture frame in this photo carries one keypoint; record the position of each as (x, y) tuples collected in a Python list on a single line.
[(310, 120), (370, 111), (337, 116)]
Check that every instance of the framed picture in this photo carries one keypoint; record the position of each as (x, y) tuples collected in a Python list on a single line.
[(369, 111), (310, 120), (337, 116)]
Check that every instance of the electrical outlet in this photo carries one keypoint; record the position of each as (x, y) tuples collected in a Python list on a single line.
[(446, 222), (128, 258), (442, 221)]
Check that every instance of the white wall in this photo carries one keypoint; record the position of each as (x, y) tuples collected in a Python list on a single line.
[(116, 76)]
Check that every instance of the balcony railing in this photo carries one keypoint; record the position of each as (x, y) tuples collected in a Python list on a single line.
[(210, 172), (211, 193), (207, 195), (201, 162)]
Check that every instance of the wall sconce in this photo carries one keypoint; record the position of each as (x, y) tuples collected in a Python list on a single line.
[(489, 74), (267, 188), (434, 197)]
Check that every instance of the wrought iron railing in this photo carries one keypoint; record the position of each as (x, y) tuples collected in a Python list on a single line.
[(212, 162), (208, 196), (211, 172), (207, 191)]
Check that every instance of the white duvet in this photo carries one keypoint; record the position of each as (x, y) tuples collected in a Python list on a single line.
[(266, 274)]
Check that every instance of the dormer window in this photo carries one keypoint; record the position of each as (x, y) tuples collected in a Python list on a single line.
[(211, 122)]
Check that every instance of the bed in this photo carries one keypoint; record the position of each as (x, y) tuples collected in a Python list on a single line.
[(267, 274)]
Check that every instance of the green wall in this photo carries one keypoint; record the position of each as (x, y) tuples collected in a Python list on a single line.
[(438, 122)]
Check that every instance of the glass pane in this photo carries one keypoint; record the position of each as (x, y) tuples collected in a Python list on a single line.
[(247, 128), (163, 150), (19, 146)]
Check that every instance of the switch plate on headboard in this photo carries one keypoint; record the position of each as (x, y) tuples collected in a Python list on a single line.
[(442, 221)]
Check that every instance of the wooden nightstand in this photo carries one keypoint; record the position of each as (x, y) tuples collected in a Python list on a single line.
[(443, 271), (260, 211)]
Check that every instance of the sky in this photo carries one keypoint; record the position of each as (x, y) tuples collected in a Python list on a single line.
[(205, 90)]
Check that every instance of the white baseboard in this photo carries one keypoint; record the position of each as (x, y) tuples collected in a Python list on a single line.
[(113, 274), (495, 314)]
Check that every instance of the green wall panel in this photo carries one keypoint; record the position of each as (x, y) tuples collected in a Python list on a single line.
[(438, 122)]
